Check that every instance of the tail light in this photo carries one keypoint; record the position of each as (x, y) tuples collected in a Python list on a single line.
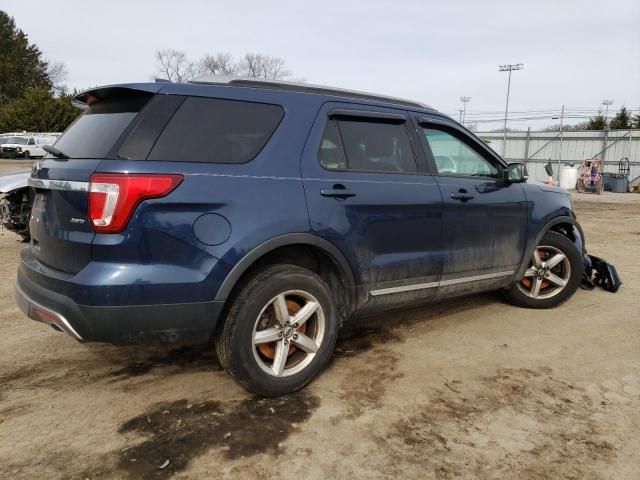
[(113, 197)]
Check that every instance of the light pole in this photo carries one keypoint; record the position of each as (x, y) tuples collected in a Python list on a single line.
[(464, 101), (507, 68), (606, 104)]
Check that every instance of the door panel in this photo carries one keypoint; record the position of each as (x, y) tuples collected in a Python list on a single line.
[(484, 232), (484, 217), (388, 225)]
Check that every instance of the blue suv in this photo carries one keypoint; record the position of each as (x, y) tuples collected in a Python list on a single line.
[(261, 215)]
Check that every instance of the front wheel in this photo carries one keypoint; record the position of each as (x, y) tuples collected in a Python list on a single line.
[(26, 155), (280, 331), (553, 275)]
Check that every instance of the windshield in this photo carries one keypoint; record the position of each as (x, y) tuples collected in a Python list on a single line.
[(95, 132), (15, 140)]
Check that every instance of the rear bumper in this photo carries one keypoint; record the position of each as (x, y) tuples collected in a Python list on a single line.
[(40, 313), (175, 322)]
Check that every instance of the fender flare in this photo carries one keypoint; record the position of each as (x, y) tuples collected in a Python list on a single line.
[(580, 240), (282, 241)]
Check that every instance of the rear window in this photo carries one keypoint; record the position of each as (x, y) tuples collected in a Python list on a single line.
[(95, 132), (217, 131)]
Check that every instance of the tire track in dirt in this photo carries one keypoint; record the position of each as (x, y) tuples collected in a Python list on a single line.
[(364, 387), (518, 423)]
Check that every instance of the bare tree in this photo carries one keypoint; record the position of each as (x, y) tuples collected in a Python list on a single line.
[(218, 64), (57, 73), (174, 65), (257, 65)]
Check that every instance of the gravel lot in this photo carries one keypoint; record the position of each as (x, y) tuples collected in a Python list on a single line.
[(469, 388)]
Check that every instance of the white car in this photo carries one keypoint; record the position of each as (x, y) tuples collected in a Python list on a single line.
[(24, 146)]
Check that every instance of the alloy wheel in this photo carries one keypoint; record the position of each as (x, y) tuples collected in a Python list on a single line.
[(288, 333), (547, 275)]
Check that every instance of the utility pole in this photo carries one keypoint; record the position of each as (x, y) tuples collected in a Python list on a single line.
[(507, 68), (606, 104), (464, 101), (561, 141)]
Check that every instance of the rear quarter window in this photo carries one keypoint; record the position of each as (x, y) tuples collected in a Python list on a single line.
[(96, 131), (210, 130)]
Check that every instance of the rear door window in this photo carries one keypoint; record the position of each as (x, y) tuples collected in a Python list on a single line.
[(210, 130), (95, 132), (367, 146)]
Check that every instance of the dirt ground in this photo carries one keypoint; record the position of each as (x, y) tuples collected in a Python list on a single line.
[(470, 388)]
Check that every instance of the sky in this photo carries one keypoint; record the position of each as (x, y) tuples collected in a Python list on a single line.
[(575, 52)]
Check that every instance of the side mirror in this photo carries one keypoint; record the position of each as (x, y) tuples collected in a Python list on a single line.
[(517, 173)]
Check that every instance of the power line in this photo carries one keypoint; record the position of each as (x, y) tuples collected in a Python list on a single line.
[(550, 110), (547, 114)]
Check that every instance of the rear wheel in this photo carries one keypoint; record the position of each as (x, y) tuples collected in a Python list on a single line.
[(553, 275), (279, 332)]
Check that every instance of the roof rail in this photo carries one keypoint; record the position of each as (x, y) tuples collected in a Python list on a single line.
[(300, 87)]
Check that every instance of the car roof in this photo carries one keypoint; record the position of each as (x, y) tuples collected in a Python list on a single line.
[(331, 93), (303, 88)]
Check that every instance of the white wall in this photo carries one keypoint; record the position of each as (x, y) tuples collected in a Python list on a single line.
[(576, 146)]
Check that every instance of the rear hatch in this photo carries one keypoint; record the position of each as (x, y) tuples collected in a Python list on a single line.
[(61, 233)]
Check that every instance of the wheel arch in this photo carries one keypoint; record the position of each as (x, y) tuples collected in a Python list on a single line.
[(565, 225), (290, 243)]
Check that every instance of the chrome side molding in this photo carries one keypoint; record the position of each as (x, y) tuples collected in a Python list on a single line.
[(442, 283)]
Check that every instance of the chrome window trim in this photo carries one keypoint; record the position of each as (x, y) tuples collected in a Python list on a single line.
[(442, 283), (58, 185)]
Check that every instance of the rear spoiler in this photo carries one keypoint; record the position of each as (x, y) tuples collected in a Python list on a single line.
[(85, 98)]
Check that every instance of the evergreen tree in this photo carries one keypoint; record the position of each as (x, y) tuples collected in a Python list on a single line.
[(622, 120), (38, 111), (596, 123), (21, 64)]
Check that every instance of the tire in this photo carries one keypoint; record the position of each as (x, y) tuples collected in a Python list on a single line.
[(580, 186), (549, 294), (255, 309), (26, 155)]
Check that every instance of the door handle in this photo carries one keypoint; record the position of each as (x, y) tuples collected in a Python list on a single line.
[(463, 197), (337, 191)]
